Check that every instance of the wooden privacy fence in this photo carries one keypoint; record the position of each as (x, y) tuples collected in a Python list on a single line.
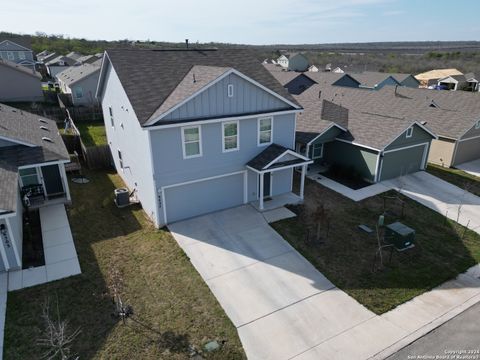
[(95, 157)]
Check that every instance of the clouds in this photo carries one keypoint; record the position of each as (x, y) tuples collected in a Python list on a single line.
[(239, 21)]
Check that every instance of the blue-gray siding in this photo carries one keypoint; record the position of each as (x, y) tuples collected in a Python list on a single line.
[(214, 101)]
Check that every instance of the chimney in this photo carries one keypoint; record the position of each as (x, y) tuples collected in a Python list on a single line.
[(186, 43)]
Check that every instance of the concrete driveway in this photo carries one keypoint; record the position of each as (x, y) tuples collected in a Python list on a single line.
[(471, 167), (281, 305), (441, 196)]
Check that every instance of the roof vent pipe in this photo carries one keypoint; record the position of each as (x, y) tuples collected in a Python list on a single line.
[(320, 94), (186, 43)]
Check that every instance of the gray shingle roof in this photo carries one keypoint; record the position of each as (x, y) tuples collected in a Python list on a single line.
[(150, 76), (371, 78), (270, 153), (68, 61), (28, 147), (19, 40), (20, 68), (73, 74)]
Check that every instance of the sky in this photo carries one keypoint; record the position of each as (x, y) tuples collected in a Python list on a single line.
[(248, 21)]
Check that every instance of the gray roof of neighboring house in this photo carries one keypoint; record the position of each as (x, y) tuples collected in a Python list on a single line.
[(68, 61), (20, 68), (24, 130), (88, 59), (371, 78), (284, 77), (74, 55), (23, 41), (73, 74), (47, 58), (150, 76), (471, 76)]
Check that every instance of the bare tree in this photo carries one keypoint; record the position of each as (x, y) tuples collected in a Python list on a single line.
[(57, 337)]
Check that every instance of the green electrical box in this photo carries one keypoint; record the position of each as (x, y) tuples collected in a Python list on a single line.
[(400, 236)]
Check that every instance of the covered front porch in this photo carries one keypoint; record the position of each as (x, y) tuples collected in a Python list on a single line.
[(43, 184), (276, 158)]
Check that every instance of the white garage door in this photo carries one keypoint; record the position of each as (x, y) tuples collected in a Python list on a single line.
[(205, 196)]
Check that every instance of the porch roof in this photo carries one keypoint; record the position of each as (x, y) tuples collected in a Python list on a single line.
[(276, 156)]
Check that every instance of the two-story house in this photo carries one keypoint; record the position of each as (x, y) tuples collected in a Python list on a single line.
[(196, 131), (17, 51)]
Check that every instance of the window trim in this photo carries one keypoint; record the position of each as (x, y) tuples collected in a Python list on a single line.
[(200, 152), (10, 55), (409, 132), (230, 90), (20, 177), (21, 55), (258, 131), (77, 88), (477, 125), (313, 151), (237, 135)]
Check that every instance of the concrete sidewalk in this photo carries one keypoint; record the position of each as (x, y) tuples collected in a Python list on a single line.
[(471, 167)]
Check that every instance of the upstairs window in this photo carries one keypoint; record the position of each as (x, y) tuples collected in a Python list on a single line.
[(10, 55), (477, 125), (409, 132), (230, 136), (192, 142), (265, 126), (230, 90), (317, 151), (78, 92), (110, 111), (21, 55)]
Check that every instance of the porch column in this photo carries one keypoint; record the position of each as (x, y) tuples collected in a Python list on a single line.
[(302, 181), (261, 192)]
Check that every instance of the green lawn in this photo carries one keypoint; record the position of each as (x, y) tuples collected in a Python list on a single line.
[(173, 307), (346, 255), (456, 177), (92, 133)]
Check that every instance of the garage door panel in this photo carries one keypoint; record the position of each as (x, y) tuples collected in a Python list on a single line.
[(467, 150), (402, 162), (190, 200)]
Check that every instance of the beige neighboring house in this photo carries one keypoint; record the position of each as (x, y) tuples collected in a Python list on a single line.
[(431, 77), (81, 83), (19, 83)]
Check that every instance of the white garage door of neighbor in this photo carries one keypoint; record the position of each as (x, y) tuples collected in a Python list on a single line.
[(202, 197)]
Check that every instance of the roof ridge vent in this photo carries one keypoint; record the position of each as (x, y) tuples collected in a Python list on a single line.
[(43, 121), (45, 138), (44, 128)]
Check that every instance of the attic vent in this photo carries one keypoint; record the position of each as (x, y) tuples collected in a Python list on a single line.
[(44, 128), (44, 138), (43, 121), (434, 104), (423, 123)]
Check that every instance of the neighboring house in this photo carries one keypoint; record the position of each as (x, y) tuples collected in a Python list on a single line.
[(452, 82), (81, 83), (87, 59), (407, 80), (283, 60), (338, 70), (431, 77), (46, 58), (198, 131), (313, 68), (297, 62), (473, 81), (333, 131), (375, 80), (32, 176), (19, 83), (18, 51), (58, 64), (74, 55)]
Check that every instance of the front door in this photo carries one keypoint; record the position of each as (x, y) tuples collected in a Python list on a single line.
[(266, 185), (52, 180)]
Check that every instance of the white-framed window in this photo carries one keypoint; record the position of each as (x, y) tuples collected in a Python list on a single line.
[(110, 111), (230, 90), (409, 132), (21, 55), (192, 141), (120, 159), (317, 151), (265, 130), (10, 55), (230, 136), (78, 92), (28, 176), (477, 125)]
